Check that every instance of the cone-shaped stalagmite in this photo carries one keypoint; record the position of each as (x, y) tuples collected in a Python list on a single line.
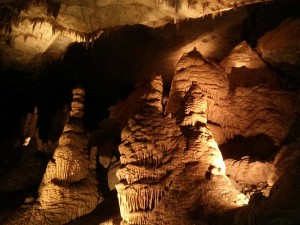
[(239, 112), (171, 171), (69, 187)]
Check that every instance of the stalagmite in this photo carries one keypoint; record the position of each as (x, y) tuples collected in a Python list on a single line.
[(30, 124), (193, 68), (69, 186), (238, 112), (195, 107), (156, 156), (30, 130)]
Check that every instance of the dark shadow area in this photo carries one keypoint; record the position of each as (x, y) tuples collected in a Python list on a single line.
[(226, 218), (266, 17), (108, 209), (12, 201), (259, 146), (294, 132)]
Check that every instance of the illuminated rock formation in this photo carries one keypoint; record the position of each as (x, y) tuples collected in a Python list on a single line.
[(69, 187), (282, 206), (238, 112), (245, 68), (145, 93), (254, 110), (280, 47), (168, 172), (195, 107), (247, 171), (242, 55)]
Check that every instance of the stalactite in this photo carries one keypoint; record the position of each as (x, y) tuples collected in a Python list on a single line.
[(56, 27), (134, 199)]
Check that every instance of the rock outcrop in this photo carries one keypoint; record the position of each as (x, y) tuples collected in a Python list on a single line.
[(69, 186), (242, 56)]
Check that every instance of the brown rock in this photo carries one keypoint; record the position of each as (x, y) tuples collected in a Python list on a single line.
[(168, 173), (237, 113), (280, 47), (69, 187), (246, 171)]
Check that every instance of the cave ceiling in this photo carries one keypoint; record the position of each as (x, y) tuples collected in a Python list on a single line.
[(34, 32)]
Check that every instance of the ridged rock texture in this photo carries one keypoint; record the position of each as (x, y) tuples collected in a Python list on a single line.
[(247, 170), (145, 93), (34, 32), (246, 110), (245, 68), (237, 112), (172, 174), (282, 206), (69, 187)]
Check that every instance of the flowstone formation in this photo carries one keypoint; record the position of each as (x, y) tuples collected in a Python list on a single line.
[(172, 174), (247, 110), (69, 186), (237, 112)]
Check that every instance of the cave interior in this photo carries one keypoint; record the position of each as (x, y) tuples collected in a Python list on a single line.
[(186, 120)]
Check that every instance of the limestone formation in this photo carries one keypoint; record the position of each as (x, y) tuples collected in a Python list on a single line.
[(239, 112), (69, 186), (34, 32), (145, 93), (245, 68), (242, 55), (280, 47), (248, 171), (282, 206), (192, 67), (29, 128), (195, 107), (168, 172), (30, 132)]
